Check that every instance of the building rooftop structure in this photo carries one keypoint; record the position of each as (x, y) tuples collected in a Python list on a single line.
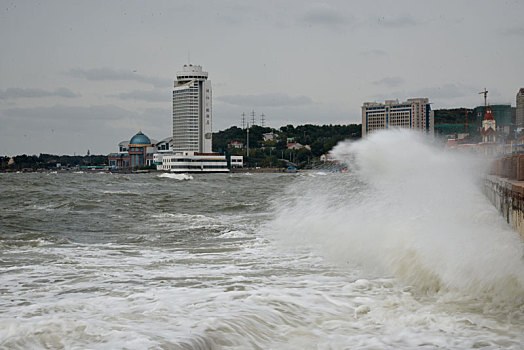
[(140, 139)]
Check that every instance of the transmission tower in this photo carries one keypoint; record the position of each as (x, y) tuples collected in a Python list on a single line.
[(243, 120), (253, 117), (262, 120)]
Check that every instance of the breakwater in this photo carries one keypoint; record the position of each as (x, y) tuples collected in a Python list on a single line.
[(505, 189)]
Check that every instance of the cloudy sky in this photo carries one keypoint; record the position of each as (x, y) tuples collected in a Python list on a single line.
[(79, 75)]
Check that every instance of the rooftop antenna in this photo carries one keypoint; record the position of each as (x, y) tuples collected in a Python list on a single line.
[(262, 120), (485, 93)]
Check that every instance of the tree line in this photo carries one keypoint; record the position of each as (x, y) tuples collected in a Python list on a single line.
[(271, 153), (320, 139), (49, 161)]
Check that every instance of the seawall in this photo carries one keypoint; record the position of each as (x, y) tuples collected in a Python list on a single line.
[(505, 188), (508, 197)]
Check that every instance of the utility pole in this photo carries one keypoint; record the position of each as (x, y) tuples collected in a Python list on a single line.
[(247, 144)]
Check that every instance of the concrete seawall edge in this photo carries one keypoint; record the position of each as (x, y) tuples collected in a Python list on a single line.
[(508, 197)]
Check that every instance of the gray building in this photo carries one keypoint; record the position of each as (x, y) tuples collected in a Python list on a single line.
[(520, 109), (192, 114)]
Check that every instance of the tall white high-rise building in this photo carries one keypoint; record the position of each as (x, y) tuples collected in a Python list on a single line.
[(192, 113), (415, 114), (520, 109)]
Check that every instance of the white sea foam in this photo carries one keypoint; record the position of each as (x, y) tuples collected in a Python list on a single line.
[(410, 210), (176, 176), (180, 273), (120, 192), (233, 234)]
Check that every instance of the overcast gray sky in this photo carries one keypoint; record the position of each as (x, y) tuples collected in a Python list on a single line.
[(79, 75)]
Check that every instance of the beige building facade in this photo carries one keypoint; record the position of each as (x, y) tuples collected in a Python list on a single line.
[(415, 113)]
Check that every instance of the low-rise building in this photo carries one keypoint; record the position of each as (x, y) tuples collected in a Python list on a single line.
[(135, 153), (236, 144), (193, 162), (237, 161), (138, 152), (164, 146), (296, 145), (270, 136), (327, 158)]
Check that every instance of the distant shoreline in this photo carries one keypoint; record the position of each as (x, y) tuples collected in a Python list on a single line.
[(145, 171)]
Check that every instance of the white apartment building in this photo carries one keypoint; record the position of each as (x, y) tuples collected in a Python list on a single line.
[(192, 114), (520, 109), (415, 113)]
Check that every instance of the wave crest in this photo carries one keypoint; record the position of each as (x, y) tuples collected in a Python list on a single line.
[(409, 209), (176, 176)]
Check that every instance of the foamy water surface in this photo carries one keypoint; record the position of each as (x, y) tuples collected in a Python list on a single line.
[(401, 252)]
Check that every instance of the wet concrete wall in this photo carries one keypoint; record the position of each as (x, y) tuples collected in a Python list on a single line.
[(511, 167), (508, 197)]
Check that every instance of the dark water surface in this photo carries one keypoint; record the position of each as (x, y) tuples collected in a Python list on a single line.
[(110, 261)]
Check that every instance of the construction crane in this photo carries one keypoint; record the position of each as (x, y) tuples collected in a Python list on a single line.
[(485, 93)]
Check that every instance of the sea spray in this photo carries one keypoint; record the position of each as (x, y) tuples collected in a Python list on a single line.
[(176, 176), (410, 209)]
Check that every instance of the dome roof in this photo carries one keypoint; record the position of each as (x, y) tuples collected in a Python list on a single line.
[(140, 139)]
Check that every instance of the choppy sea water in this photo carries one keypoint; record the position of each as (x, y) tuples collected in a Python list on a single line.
[(381, 257)]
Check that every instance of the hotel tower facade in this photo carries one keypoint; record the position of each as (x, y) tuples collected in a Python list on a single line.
[(192, 111)]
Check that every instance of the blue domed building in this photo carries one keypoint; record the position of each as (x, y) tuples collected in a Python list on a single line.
[(137, 152)]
